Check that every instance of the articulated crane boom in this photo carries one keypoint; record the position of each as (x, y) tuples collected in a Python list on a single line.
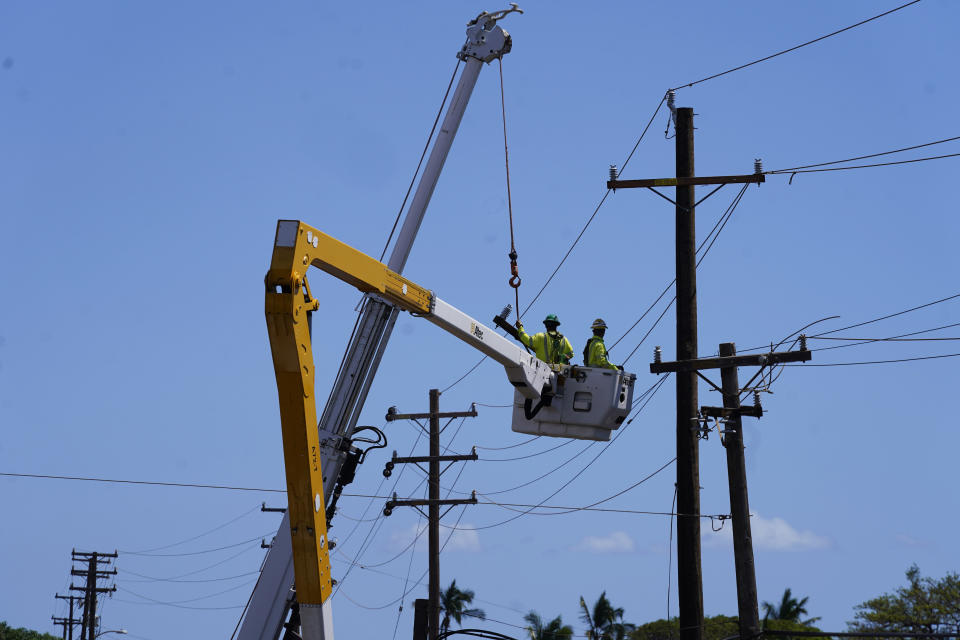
[(289, 305)]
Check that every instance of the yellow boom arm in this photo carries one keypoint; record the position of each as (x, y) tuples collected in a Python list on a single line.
[(288, 299)]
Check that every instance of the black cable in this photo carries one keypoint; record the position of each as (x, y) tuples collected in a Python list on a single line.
[(886, 317), (162, 484), (208, 567), (419, 164), (532, 455), (852, 364), (196, 537), (872, 155), (153, 579), (195, 553), (868, 166), (809, 42)]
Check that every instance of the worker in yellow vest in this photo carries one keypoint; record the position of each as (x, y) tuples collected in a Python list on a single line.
[(595, 353), (550, 346)]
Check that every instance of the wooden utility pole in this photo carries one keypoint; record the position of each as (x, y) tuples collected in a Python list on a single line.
[(739, 503), (731, 412), (90, 589), (434, 502), (68, 622), (689, 574)]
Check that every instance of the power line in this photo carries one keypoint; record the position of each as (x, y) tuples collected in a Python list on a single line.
[(196, 537), (196, 553), (799, 46), (872, 155), (147, 578), (886, 317), (868, 166), (852, 364), (143, 482)]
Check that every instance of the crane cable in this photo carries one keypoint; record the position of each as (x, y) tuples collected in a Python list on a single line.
[(514, 270)]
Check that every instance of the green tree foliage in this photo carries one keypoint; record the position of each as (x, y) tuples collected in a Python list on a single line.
[(789, 609), (453, 604), (9, 633), (714, 628), (604, 621), (925, 605), (553, 630)]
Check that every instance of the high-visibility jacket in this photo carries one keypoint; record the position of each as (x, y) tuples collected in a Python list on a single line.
[(595, 355), (551, 348)]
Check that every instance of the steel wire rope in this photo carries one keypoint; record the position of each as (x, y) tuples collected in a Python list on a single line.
[(799, 46), (506, 159), (562, 487), (196, 537), (872, 155), (575, 242)]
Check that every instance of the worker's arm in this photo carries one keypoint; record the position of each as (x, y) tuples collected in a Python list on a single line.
[(598, 356), (523, 336)]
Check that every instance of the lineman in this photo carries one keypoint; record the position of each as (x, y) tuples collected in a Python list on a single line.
[(595, 353), (551, 346)]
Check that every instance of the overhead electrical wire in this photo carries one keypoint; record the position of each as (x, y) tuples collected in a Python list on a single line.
[(852, 364), (886, 317), (868, 166), (872, 155), (799, 46), (147, 578), (196, 537), (562, 487), (196, 553)]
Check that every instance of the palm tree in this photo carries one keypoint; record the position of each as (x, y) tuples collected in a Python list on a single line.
[(453, 603), (789, 609), (553, 630), (604, 622)]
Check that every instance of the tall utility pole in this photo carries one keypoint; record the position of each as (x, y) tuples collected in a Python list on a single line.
[(739, 504), (434, 502), (689, 574)]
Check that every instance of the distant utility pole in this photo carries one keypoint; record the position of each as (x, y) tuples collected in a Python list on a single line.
[(91, 574), (434, 502), (732, 435), (689, 572), (68, 622)]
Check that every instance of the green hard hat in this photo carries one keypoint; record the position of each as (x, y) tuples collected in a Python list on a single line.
[(552, 317), (598, 324)]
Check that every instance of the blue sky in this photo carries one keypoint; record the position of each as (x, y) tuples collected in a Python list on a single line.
[(150, 149)]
